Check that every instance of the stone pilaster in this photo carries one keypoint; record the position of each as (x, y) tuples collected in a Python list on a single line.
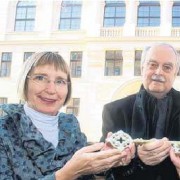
[(131, 17), (166, 17)]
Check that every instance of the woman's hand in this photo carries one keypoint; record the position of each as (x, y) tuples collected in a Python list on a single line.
[(90, 160), (175, 160), (130, 154), (129, 151), (154, 152)]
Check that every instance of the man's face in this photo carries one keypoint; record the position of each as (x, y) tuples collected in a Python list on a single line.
[(159, 70)]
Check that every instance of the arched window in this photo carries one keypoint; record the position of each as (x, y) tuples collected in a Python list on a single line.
[(25, 16)]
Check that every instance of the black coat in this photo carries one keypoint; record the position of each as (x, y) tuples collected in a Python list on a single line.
[(130, 115)]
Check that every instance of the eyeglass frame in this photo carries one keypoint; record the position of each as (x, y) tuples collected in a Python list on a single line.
[(153, 65), (47, 80)]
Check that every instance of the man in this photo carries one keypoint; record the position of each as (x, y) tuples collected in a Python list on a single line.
[(154, 112)]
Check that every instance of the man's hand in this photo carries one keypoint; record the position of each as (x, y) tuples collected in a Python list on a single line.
[(154, 152), (175, 158)]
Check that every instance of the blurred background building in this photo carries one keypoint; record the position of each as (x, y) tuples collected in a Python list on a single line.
[(102, 42)]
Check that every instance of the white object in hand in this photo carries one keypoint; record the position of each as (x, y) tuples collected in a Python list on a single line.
[(120, 140)]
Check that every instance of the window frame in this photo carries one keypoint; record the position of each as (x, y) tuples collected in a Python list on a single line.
[(6, 62), (178, 74), (137, 63), (177, 23), (151, 15), (74, 22), (112, 70), (27, 8), (3, 100), (76, 64), (27, 56), (116, 5), (73, 106)]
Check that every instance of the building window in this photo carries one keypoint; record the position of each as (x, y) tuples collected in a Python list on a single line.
[(76, 63), (148, 14), (178, 51), (113, 63), (137, 63), (70, 17), (5, 64), (25, 16), (114, 14), (27, 55), (2, 101), (73, 106), (176, 15)]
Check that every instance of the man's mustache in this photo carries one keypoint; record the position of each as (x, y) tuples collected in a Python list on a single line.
[(158, 78)]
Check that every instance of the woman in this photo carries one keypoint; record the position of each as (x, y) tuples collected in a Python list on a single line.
[(39, 142)]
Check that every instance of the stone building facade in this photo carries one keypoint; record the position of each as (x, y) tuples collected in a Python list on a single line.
[(100, 40)]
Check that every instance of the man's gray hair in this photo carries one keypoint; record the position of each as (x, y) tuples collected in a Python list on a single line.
[(147, 48)]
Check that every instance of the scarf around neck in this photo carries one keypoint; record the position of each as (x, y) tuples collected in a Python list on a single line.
[(150, 115)]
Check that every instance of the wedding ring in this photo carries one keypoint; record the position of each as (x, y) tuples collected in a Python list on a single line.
[(121, 163)]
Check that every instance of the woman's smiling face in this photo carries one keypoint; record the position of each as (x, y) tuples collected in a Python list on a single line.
[(47, 97)]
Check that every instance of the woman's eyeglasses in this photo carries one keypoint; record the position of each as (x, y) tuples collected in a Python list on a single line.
[(44, 80)]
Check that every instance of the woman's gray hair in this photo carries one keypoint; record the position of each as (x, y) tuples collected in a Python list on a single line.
[(39, 59), (147, 48)]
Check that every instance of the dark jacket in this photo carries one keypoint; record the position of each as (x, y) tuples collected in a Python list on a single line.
[(133, 115)]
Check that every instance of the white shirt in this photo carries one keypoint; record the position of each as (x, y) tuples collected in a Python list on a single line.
[(46, 124)]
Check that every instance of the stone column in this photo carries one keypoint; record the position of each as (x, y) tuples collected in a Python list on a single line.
[(43, 25), (9, 11), (131, 17), (128, 62), (166, 17), (91, 17)]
